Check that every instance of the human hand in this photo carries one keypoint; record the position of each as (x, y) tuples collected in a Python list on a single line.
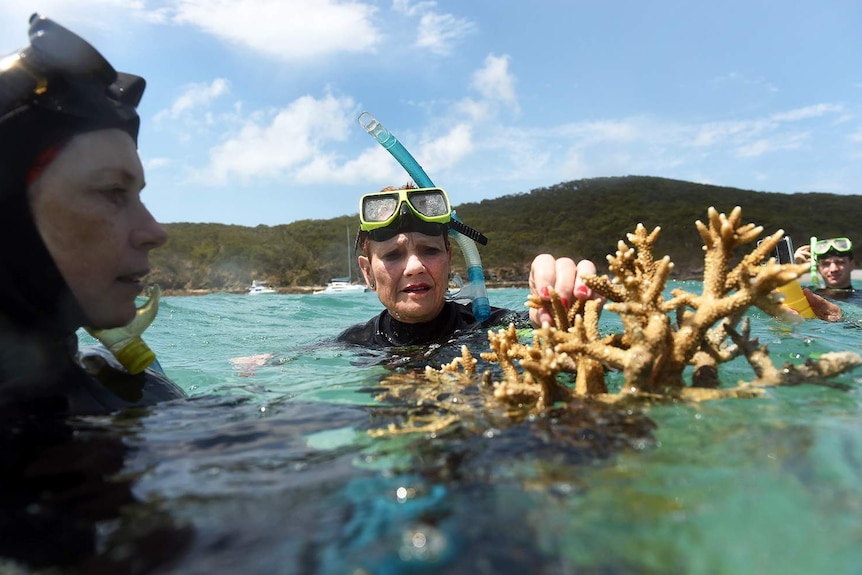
[(802, 255), (822, 307), (564, 277), (246, 366)]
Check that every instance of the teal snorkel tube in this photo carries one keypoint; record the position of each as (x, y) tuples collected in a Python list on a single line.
[(815, 279), (475, 288)]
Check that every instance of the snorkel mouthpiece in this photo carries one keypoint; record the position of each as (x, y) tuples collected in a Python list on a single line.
[(815, 279), (125, 342)]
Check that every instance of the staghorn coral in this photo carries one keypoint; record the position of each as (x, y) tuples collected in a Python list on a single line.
[(662, 337)]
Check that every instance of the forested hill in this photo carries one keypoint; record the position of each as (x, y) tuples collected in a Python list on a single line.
[(581, 218)]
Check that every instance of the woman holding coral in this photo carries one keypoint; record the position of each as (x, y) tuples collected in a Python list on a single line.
[(405, 256)]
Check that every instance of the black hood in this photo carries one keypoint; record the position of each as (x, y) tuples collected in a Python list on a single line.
[(57, 88)]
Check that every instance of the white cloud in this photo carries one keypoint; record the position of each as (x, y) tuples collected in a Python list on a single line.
[(750, 135), (475, 110), (156, 163), (289, 31), (289, 140), (735, 78), (495, 82), (374, 165), (713, 133), (814, 111), (622, 130), (405, 7), (195, 97), (439, 33), (762, 146), (449, 149)]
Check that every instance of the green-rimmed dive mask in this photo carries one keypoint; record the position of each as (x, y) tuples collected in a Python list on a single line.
[(382, 214), (840, 245)]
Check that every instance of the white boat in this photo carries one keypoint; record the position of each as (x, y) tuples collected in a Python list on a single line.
[(341, 285), (260, 288), (337, 286)]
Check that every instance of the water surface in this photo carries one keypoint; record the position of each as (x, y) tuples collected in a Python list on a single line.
[(274, 472)]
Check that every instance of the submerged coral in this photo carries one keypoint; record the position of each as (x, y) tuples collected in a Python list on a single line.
[(662, 340)]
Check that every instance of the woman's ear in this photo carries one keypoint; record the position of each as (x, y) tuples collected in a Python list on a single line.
[(365, 268)]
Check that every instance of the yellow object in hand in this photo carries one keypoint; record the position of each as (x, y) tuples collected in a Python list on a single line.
[(795, 299), (125, 342)]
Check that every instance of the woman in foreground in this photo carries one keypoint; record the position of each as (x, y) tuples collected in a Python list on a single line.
[(75, 234)]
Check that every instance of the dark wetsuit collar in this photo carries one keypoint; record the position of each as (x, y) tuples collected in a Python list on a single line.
[(837, 293), (399, 333)]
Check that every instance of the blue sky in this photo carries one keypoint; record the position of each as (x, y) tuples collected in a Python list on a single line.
[(251, 105)]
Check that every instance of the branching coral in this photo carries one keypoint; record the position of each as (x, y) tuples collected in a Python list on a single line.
[(662, 337)]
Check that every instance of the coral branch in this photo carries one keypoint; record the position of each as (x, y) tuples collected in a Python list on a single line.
[(661, 339), (653, 352)]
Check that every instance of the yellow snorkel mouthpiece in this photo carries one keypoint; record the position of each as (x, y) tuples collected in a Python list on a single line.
[(125, 342)]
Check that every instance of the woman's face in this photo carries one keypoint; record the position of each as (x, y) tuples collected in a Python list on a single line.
[(410, 273), (87, 208)]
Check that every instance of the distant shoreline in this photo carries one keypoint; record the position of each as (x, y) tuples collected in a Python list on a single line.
[(307, 289), (804, 279)]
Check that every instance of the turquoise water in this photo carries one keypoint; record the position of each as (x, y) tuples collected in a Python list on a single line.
[(272, 470)]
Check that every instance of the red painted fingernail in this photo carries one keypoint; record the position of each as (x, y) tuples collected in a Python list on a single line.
[(582, 291), (544, 292), (565, 302)]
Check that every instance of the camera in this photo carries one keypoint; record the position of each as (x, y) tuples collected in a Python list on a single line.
[(783, 252)]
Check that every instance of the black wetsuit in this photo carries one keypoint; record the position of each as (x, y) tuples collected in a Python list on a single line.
[(383, 331), (54, 378)]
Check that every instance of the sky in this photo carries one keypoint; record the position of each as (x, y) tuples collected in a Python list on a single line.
[(250, 113)]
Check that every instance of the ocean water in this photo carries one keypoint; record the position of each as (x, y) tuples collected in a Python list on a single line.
[(270, 468)]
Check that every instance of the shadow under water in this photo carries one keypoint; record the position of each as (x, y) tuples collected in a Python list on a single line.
[(218, 485), (63, 502)]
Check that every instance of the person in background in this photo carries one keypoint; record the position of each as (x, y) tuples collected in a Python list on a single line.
[(405, 255), (834, 261)]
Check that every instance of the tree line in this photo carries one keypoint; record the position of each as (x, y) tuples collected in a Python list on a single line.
[(581, 218)]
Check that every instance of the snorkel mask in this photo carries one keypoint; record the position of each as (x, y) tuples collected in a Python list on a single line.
[(822, 247), (424, 210), (62, 73)]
